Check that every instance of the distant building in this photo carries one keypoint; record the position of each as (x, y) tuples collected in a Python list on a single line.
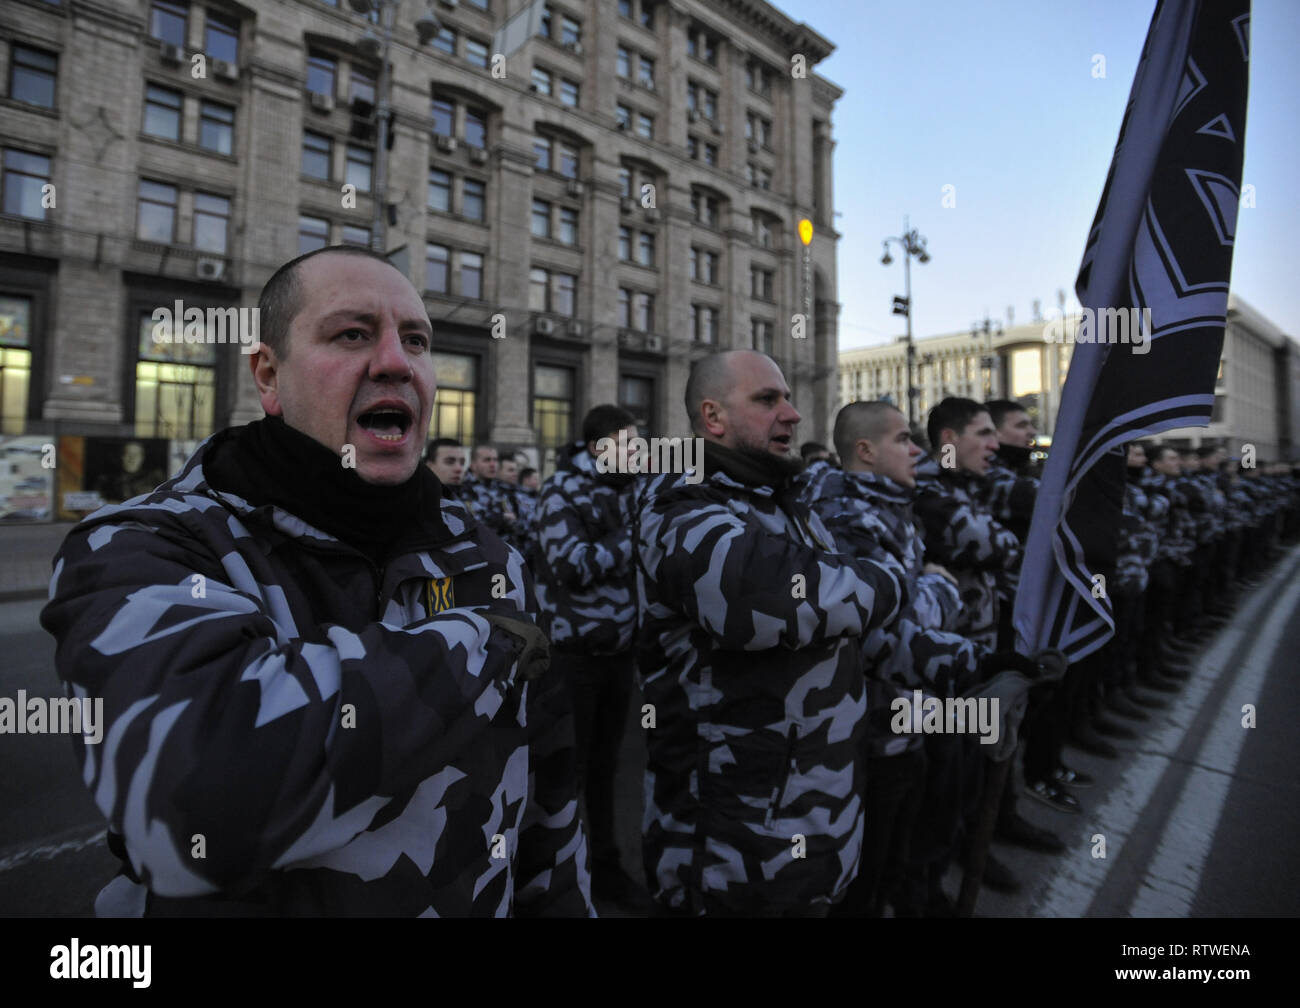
[(625, 199)]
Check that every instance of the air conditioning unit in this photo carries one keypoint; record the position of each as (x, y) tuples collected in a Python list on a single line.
[(210, 269), (655, 344), (574, 47), (446, 144), (226, 71), (544, 326), (577, 329), (574, 187), (478, 155), (322, 102), (626, 338), (717, 128), (652, 215), (621, 126), (171, 53), (626, 204)]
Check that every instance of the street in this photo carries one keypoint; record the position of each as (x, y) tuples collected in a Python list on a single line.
[(1200, 815)]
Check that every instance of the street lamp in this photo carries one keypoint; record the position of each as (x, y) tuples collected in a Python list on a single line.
[(912, 244), (378, 46), (991, 330)]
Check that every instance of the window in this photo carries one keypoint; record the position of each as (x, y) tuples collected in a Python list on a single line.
[(570, 31), (445, 40), (361, 86), (437, 268), (758, 78), (645, 249), (541, 219), (439, 190), (568, 232), (552, 292), (760, 332), (568, 166), (211, 223), (702, 101), (475, 128), (760, 283), (702, 44), (471, 275), (569, 91), (758, 176), (762, 231), (711, 154), (15, 362), (705, 208), (24, 176), (175, 386), (542, 81), (636, 394), (313, 233), (320, 74), (453, 409), (625, 243), (476, 53), (647, 15), (623, 117), (162, 112), (645, 75), (316, 155), (167, 22), (625, 8), (542, 153), (356, 171), (353, 235), (758, 129), (624, 63), (157, 212), (704, 324), (704, 265), (553, 409), (216, 127), (645, 126), (473, 199), (636, 309), (443, 113), (221, 38), (31, 76)]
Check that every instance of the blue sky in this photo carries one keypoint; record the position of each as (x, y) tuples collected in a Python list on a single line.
[(1000, 101)]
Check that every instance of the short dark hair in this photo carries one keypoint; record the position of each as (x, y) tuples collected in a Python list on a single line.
[(860, 420), (431, 453), (999, 408), (811, 448), (1205, 451), (604, 420), (952, 413), (525, 472), (1156, 452), (281, 297)]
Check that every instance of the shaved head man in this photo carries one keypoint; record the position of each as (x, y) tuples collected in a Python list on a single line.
[(875, 437), (740, 400)]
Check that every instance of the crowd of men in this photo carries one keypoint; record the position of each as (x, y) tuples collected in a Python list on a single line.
[(395, 688)]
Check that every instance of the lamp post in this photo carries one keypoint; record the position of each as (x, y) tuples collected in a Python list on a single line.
[(912, 244), (991, 330), (378, 47)]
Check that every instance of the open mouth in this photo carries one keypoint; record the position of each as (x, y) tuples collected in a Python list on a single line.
[(387, 423)]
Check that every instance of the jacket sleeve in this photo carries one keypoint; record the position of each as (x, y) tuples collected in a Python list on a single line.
[(1010, 498), (226, 724), (957, 536), (752, 590), (575, 559)]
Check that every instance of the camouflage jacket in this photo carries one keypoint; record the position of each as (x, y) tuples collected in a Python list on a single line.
[(1139, 541), (1206, 503), (1178, 532), (963, 536), (346, 739), (583, 562), (871, 518), (489, 502), (750, 651), (1009, 497)]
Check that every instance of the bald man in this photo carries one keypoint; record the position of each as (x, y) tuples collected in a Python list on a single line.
[(750, 651)]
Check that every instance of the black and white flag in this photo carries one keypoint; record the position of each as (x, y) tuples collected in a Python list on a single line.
[(1153, 288)]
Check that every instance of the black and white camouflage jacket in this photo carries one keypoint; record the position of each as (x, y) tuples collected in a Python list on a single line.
[(750, 650), (334, 738), (583, 559), (871, 517)]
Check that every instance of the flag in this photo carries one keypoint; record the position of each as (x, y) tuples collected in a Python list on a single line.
[(1162, 240)]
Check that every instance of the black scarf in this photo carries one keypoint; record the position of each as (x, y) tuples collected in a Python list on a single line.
[(1014, 457), (749, 468), (269, 462)]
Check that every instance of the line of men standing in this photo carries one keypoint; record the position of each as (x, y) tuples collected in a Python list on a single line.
[(774, 611)]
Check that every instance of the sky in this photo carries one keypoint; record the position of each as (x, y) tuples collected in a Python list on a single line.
[(998, 99)]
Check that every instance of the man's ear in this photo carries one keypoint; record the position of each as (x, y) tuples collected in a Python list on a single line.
[(713, 416), (266, 376), (866, 453)]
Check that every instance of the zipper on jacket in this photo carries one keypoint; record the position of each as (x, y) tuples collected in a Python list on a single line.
[(778, 792)]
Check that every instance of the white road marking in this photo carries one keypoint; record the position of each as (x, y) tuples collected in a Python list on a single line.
[(1079, 876)]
